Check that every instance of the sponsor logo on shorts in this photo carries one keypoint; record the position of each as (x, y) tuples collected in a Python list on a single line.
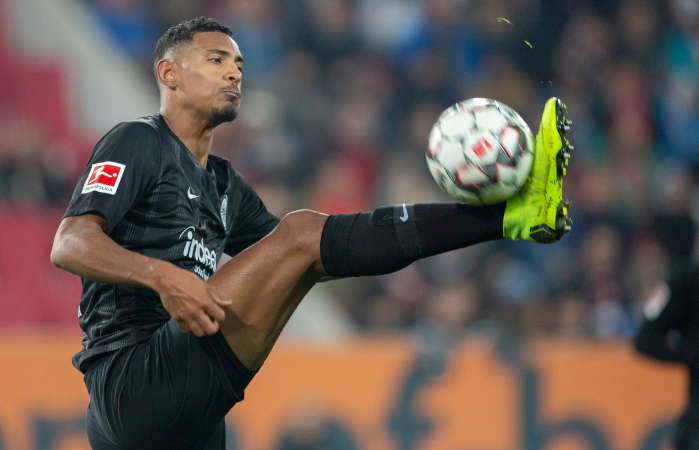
[(104, 177)]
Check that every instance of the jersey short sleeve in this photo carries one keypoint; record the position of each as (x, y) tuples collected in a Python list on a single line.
[(253, 221), (123, 165)]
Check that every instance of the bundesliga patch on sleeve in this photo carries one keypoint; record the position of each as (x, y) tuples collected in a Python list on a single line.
[(104, 177)]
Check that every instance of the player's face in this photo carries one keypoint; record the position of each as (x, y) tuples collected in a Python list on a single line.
[(211, 75)]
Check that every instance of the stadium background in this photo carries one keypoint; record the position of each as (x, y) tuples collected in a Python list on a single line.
[(498, 347)]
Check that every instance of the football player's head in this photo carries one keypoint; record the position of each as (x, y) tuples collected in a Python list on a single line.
[(199, 67)]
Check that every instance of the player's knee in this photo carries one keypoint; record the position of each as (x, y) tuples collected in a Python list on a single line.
[(301, 230)]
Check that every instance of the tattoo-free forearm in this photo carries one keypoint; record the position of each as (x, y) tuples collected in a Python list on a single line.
[(82, 247)]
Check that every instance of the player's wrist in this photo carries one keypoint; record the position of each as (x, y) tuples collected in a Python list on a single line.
[(158, 274)]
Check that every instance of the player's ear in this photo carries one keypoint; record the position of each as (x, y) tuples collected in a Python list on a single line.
[(166, 73)]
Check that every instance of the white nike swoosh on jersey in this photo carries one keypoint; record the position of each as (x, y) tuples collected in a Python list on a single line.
[(190, 194), (404, 217)]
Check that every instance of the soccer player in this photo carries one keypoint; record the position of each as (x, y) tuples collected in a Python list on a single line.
[(676, 307), (170, 344)]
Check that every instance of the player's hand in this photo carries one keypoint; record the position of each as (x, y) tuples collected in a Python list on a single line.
[(190, 301)]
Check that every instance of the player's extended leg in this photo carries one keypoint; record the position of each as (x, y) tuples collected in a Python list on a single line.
[(269, 280)]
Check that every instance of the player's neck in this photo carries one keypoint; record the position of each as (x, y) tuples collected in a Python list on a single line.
[(195, 133)]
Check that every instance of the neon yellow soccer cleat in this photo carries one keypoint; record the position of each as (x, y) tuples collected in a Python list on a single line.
[(537, 212)]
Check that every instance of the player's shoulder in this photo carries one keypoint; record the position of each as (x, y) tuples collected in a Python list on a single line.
[(148, 129), (137, 139)]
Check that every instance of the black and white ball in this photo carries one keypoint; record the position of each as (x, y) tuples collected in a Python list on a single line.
[(480, 151)]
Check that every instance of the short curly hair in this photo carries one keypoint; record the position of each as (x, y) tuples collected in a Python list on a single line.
[(184, 32)]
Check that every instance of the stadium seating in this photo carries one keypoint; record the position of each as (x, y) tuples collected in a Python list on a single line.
[(31, 289)]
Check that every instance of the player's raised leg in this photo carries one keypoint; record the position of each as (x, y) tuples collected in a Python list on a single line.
[(268, 281)]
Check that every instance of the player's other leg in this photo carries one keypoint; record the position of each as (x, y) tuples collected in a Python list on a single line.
[(268, 281)]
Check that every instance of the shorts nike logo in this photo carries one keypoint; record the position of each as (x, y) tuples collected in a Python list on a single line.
[(190, 194), (404, 217)]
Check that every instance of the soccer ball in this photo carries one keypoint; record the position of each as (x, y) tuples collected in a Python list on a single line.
[(480, 151)]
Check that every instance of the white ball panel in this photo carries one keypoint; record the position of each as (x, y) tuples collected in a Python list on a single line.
[(491, 119), (457, 126), (497, 193), (452, 155)]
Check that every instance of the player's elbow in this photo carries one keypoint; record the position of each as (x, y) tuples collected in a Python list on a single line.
[(65, 243), (59, 250), (72, 236)]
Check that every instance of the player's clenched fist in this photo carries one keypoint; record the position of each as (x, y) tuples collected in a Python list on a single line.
[(190, 301)]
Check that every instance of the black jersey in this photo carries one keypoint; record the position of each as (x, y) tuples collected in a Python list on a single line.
[(676, 307), (673, 307), (160, 202)]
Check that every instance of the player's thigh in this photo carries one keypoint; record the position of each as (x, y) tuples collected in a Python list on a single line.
[(267, 281)]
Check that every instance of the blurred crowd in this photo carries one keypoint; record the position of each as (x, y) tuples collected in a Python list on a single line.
[(34, 169), (339, 97)]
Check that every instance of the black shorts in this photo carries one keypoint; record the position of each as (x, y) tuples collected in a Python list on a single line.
[(171, 391)]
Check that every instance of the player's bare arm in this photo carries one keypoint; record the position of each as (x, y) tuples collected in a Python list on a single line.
[(82, 247)]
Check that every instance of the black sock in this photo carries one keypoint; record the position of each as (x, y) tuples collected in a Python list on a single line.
[(392, 237)]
